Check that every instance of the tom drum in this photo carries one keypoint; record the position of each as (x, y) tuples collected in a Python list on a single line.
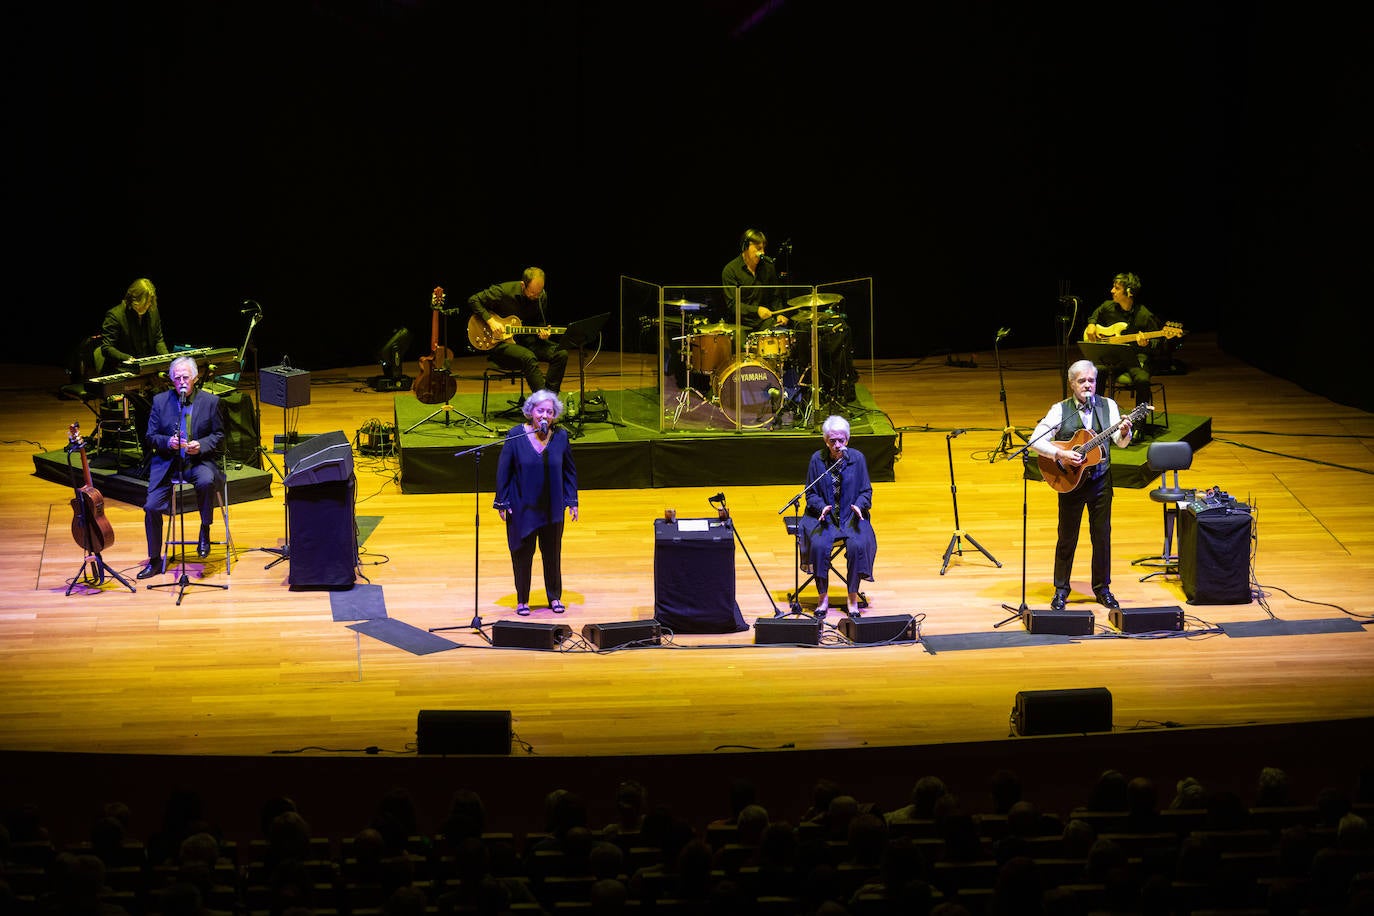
[(712, 351), (774, 344)]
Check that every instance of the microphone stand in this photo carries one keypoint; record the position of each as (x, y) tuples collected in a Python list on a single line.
[(476, 453), (724, 513), (954, 544), (1019, 613), (794, 599), (1006, 444)]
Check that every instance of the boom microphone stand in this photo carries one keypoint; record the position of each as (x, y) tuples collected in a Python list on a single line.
[(1018, 613), (476, 453), (718, 503), (954, 544), (1006, 444)]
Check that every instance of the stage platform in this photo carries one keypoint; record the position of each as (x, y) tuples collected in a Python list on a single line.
[(629, 453), (115, 476)]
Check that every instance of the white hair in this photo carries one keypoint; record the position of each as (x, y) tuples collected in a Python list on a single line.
[(834, 423), (1080, 367), (539, 397)]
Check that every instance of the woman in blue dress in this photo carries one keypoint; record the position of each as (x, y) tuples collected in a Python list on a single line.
[(838, 504), (536, 481)]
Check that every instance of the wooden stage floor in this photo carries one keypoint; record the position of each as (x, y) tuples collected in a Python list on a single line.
[(259, 668)]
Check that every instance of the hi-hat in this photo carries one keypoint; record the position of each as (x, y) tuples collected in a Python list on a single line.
[(720, 327), (815, 299)]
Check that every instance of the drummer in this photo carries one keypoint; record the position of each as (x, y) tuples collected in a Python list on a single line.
[(760, 290)]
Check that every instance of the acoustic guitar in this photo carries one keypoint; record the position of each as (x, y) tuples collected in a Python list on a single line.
[(1065, 478), (483, 337), (90, 528), (434, 384), (1107, 332)]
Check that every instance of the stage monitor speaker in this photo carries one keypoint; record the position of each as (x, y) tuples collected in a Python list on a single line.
[(894, 628), (1059, 623), (1147, 619), (326, 458), (1062, 712), (520, 634), (463, 731), (282, 386), (791, 631), (614, 635)]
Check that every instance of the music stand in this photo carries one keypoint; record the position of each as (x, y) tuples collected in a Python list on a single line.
[(578, 334), (1114, 357)]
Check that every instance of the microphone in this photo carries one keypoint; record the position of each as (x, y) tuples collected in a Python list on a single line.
[(1003, 332), (957, 433), (543, 426), (253, 307), (718, 498), (1073, 299), (764, 257)]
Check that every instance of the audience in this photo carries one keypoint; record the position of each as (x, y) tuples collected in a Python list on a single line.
[(847, 857)]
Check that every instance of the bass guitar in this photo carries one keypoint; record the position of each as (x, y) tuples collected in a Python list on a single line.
[(434, 384), (90, 528), (1108, 332), (1064, 478), (482, 337)]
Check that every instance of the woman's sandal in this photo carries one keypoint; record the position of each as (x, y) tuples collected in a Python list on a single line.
[(556, 606), (523, 610)]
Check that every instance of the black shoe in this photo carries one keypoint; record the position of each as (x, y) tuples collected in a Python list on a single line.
[(1060, 599), (1107, 599), (203, 545), (154, 568)]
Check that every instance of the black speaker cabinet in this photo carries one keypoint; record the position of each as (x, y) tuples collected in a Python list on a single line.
[(321, 526), (1062, 712), (521, 634), (893, 628), (282, 386), (1214, 556), (463, 731), (1059, 623), (1146, 619), (613, 635), (791, 631)]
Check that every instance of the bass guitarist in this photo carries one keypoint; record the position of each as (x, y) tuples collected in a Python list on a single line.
[(1083, 410), (523, 301), (1121, 320)]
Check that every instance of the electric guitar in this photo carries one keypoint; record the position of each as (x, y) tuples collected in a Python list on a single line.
[(1065, 478), (483, 337), (90, 528), (1104, 334)]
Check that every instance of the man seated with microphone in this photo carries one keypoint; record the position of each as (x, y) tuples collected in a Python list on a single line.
[(185, 431)]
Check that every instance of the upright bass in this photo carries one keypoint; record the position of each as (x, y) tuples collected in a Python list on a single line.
[(434, 384)]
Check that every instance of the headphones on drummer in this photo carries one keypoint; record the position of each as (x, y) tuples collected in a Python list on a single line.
[(751, 235)]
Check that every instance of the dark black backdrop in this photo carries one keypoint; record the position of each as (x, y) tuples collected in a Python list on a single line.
[(336, 160)]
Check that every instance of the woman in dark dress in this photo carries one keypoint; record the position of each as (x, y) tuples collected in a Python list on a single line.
[(535, 481), (837, 506)]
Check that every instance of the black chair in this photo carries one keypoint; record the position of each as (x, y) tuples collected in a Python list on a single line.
[(492, 372), (1165, 457), (838, 548)]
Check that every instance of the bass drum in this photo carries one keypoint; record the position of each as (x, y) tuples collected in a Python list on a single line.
[(749, 393)]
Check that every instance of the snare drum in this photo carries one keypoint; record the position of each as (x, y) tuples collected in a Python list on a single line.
[(749, 392), (712, 351), (775, 344)]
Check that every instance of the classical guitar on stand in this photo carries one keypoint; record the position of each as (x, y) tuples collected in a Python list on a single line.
[(1117, 333), (90, 528), (434, 384), (1063, 478), (482, 337)]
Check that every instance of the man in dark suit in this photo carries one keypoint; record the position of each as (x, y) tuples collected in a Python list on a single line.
[(185, 431)]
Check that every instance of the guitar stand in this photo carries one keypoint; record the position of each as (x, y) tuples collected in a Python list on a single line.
[(955, 546), (93, 571), (446, 408)]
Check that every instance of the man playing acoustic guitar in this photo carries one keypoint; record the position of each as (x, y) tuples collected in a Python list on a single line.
[(1083, 410), (520, 308)]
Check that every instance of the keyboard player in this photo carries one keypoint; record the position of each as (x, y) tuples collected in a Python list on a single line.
[(133, 329)]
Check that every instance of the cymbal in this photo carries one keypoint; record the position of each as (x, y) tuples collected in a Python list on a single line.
[(720, 327), (815, 299), (681, 303)]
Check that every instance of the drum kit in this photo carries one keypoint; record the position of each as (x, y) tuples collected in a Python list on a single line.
[(754, 389)]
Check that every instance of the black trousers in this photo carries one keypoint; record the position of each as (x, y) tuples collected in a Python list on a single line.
[(550, 542), (205, 477), (1094, 494), (525, 359)]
